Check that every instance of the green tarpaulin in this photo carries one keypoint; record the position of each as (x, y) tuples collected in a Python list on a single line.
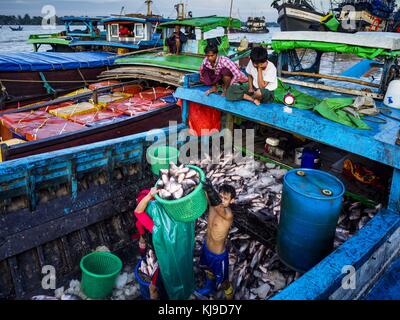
[(330, 108), (173, 243), (205, 23), (363, 52)]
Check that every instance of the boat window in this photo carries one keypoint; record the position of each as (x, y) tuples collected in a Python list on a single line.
[(218, 32), (114, 30), (139, 30)]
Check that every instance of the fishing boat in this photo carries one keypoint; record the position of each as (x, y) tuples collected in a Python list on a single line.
[(256, 25), (173, 67), (252, 25), (142, 35), (88, 28), (366, 15), (35, 75), (105, 111), (59, 206), (297, 15), (19, 28), (375, 246)]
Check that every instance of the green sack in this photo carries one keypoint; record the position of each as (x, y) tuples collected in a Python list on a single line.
[(173, 243), (331, 109), (303, 101)]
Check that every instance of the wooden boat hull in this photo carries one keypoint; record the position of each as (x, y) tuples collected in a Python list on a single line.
[(293, 18), (152, 120), (29, 84)]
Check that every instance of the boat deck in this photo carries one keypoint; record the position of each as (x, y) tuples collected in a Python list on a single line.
[(388, 286)]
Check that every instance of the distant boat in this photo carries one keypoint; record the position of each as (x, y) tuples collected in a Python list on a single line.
[(19, 28)]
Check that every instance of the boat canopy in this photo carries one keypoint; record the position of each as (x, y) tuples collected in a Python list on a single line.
[(141, 19), (205, 23), (367, 45), (42, 61), (83, 19)]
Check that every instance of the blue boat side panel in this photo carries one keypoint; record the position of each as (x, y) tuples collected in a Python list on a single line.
[(42, 61), (388, 286), (394, 196), (377, 144), (326, 277), (358, 70)]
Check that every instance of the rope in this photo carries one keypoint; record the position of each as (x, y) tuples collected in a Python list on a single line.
[(83, 78), (46, 85)]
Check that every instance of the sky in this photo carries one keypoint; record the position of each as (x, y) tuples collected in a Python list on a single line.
[(241, 8)]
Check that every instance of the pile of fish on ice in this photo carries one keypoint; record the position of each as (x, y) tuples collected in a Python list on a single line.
[(255, 270)]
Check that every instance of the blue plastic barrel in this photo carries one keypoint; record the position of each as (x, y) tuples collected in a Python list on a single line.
[(310, 209), (310, 158)]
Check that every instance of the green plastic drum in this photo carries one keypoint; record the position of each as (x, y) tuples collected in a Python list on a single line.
[(99, 273), (190, 207), (160, 158)]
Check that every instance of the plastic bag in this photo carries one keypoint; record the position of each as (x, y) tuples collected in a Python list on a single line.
[(134, 106), (173, 243), (203, 117)]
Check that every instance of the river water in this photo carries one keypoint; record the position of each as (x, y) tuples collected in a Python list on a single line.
[(16, 41)]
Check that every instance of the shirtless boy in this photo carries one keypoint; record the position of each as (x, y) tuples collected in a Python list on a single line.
[(214, 253)]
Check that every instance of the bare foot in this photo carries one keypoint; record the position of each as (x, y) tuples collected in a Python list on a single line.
[(256, 102), (212, 90), (223, 94)]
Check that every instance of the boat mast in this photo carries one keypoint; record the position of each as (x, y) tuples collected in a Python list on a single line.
[(148, 3)]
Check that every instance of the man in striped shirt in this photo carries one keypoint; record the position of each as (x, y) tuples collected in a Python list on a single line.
[(217, 69)]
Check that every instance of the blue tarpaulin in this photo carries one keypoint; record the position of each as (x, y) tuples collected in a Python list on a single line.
[(42, 61)]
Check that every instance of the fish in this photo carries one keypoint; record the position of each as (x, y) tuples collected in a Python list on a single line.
[(178, 194), (43, 297)]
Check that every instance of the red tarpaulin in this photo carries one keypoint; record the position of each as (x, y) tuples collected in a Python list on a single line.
[(133, 106), (154, 93), (50, 127), (89, 118)]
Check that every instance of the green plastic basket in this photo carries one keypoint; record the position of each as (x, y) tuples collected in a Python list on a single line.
[(160, 158), (190, 207), (99, 273)]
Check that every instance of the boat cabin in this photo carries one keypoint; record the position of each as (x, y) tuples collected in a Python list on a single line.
[(84, 27), (200, 31), (124, 34), (76, 28)]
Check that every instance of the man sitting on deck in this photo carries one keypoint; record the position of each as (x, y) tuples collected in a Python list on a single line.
[(217, 69), (176, 41), (262, 79), (214, 255)]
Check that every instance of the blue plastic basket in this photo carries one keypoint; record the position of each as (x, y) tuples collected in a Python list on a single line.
[(144, 285)]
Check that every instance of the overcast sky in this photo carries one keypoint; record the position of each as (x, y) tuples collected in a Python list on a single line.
[(241, 8)]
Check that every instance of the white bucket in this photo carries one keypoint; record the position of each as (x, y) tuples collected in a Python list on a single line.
[(298, 152), (392, 96)]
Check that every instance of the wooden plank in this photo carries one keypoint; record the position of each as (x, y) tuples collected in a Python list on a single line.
[(352, 92), (16, 276), (326, 76)]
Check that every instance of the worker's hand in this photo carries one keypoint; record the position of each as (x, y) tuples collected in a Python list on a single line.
[(154, 191)]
